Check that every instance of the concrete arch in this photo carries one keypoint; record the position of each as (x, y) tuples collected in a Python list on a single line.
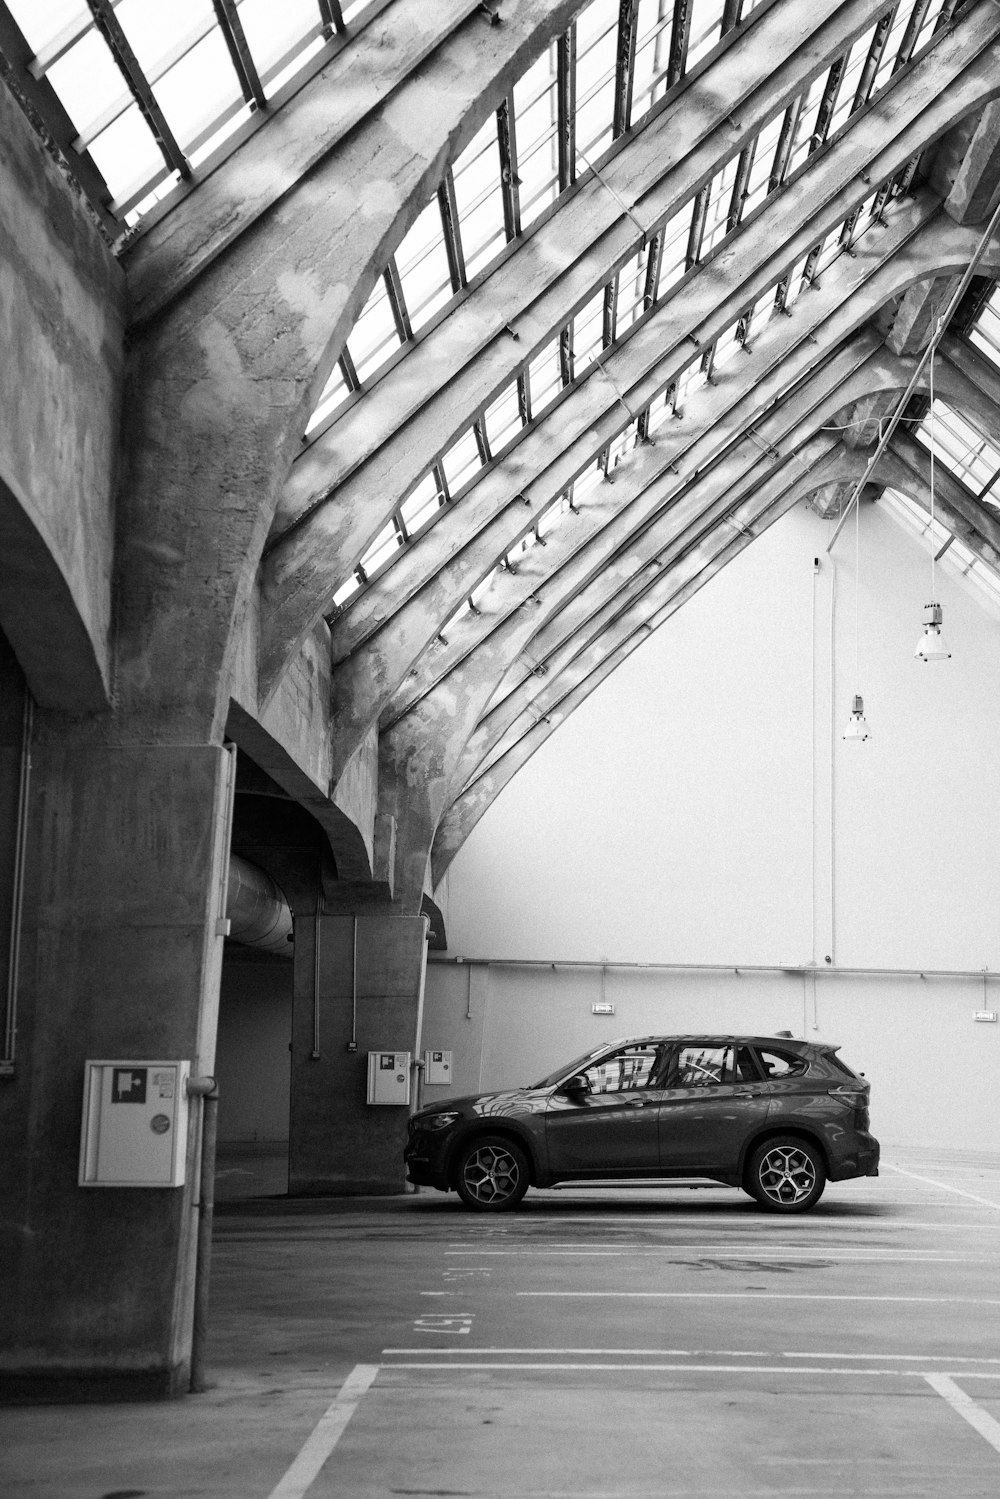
[(65, 662), (221, 381)]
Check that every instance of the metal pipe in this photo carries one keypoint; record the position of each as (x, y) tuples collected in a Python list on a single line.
[(17, 898), (207, 1090), (826, 968), (317, 928)]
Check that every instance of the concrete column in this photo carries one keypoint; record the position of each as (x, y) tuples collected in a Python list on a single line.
[(121, 953), (359, 987)]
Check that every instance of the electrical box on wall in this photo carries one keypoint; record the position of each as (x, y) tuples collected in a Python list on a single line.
[(135, 1119), (389, 1077), (437, 1066)]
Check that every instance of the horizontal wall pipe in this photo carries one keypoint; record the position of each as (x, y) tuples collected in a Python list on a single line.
[(788, 968), (256, 909)]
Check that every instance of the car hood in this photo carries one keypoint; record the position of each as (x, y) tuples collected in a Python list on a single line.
[(484, 1105)]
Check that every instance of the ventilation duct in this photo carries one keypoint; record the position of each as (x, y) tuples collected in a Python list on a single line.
[(257, 911)]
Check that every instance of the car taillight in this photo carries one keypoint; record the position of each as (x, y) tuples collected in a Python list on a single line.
[(856, 1094)]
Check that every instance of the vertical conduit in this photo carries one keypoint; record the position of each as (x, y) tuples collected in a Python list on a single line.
[(17, 899), (317, 927), (206, 1089)]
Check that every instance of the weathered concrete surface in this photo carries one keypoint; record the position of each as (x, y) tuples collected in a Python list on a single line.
[(99, 1285), (784, 351), (61, 331), (561, 263), (748, 263), (221, 388), (339, 1144)]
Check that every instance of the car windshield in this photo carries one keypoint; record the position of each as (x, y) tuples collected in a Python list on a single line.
[(568, 1068)]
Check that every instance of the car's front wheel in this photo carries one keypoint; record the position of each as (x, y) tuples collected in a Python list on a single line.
[(491, 1174), (786, 1175)]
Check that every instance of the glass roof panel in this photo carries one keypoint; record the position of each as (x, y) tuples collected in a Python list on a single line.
[(43, 21), (422, 263), (462, 461), (959, 444), (706, 28), (536, 117), (335, 393), (959, 560), (651, 54), (503, 418), (479, 197), (127, 155), (597, 50), (274, 30), (200, 87), (374, 336)]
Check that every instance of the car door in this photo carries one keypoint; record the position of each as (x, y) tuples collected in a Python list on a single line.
[(714, 1097), (611, 1128)]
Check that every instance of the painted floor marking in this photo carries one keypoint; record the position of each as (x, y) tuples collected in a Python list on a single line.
[(889, 1358), (966, 1408), (325, 1435), (946, 1187), (753, 1296), (771, 1369)]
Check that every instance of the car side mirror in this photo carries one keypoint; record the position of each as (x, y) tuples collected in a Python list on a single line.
[(577, 1084)]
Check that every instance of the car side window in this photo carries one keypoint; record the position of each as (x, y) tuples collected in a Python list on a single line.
[(780, 1064), (703, 1067), (631, 1067)]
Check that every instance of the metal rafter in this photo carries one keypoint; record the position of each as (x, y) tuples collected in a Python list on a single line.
[(566, 107), (231, 27), (510, 182), (331, 16), (451, 227), (628, 27), (680, 35), (397, 301), (110, 29)]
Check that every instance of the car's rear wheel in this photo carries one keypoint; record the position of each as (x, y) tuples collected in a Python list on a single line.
[(491, 1174), (786, 1175)]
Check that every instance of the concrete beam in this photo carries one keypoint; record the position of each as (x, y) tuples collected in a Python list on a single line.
[(966, 170), (221, 387), (463, 814), (376, 65), (458, 365), (62, 321), (702, 307), (784, 352)]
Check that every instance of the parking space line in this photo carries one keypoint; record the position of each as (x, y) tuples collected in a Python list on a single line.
[(769, 1369), (754, 1296), (325, 1435), (966, 1408), (734, 1353), (945, 1187)]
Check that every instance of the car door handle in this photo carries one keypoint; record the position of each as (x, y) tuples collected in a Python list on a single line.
[(636, 1103), (747, 1092)]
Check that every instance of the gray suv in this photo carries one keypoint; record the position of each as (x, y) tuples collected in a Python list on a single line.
[(772, 1115)]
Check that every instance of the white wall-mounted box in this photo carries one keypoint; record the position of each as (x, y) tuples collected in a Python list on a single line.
[(135, 1124), (389, 1077), (437, 1067)]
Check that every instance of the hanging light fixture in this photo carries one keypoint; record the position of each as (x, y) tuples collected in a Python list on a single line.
[(931, 646), (857, 729)]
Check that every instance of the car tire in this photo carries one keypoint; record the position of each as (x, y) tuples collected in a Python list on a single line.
[(786, 1175), (491, 1174)]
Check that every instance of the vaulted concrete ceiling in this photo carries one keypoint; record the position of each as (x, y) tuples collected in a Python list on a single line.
[(801, 310)]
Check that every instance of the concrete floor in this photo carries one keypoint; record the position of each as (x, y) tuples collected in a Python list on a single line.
[(595, 1344)]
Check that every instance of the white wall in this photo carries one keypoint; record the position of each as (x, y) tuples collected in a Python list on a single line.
[(702, 807)]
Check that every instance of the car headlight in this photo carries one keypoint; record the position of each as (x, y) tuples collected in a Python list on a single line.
[(438, 1121)]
